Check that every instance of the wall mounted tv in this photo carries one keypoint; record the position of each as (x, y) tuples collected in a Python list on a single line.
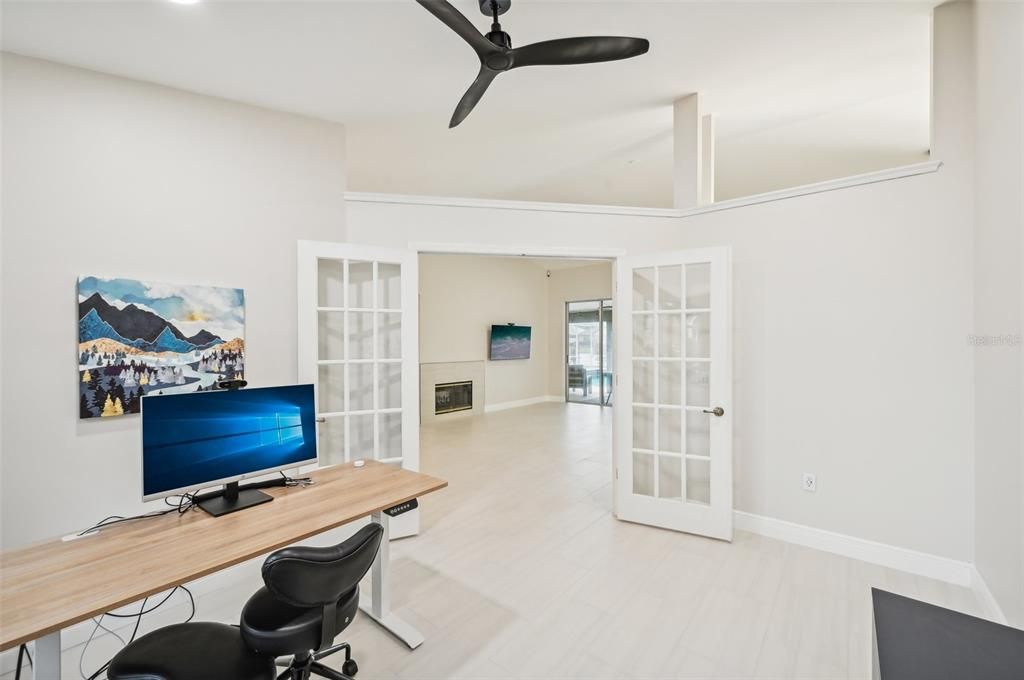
[(510, 342)]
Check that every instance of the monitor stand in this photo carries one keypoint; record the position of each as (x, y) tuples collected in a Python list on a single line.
[(231, 499)]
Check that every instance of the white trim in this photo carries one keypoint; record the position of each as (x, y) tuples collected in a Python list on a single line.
[(572, 252), (924, 564), (886, 175), (487, 203), (506, 405), (985, 597)]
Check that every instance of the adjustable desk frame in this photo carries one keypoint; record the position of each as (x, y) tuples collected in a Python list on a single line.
[(379, 606), (54, 585)]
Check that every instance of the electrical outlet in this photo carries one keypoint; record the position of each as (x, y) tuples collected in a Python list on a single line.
[(810, 482)]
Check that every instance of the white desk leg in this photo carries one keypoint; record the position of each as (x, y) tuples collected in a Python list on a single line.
[(46, 663), (379, 606)]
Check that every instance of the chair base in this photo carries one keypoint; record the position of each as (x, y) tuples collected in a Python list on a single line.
[(309, 666)]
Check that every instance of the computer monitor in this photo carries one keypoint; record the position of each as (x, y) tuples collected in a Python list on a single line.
[(201, 439)]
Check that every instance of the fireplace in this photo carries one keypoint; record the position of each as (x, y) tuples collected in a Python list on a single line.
[(453, 396)]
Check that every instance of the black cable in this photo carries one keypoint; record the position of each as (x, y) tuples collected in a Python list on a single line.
[(193, 601), (101, 669), (186, 502), (22, 650), (137, 615), (293, 481), (109, 521), (144, 611)]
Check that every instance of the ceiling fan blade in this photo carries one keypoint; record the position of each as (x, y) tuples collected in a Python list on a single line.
[(473, 95), (457, 21), (578, 51)]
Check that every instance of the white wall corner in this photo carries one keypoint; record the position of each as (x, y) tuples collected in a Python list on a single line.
[(911, 561), (686, 151), (707, 156), (988, 601)]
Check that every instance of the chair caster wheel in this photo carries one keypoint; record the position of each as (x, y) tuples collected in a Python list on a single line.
[(350, 668)]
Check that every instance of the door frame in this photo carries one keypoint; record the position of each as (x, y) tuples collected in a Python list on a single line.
[(565, 349), (613, 255)]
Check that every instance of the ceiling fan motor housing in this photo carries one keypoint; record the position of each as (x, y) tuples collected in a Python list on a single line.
[(500, 38), (503, 6)]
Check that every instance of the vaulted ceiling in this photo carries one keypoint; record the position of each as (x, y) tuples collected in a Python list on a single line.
[(801, 91)]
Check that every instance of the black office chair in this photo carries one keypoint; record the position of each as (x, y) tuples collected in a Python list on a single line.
[(311, 595), (191, 651)]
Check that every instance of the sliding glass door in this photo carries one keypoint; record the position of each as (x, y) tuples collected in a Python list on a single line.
[(588, 356)]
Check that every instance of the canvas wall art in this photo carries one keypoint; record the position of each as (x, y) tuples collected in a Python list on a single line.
[(139, 337), (510, 342)]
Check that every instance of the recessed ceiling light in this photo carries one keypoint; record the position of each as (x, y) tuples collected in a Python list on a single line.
[(186, 2)]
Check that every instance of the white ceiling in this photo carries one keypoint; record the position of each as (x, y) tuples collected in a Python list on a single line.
[(802, 91)]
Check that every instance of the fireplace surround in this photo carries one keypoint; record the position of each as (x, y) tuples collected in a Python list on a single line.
[(434, 375)]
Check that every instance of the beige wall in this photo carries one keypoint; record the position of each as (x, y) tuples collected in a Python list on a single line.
[(592, 282), (108, 176), (461, 296)]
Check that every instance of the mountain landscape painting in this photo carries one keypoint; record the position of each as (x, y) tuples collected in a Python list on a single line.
[(137, 338)]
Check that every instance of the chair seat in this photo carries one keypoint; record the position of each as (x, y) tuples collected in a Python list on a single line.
[(277, 628), (191, 651)]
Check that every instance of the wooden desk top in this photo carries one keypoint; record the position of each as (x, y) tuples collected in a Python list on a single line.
[(52, 585)]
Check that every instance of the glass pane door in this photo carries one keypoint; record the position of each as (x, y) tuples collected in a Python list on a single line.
[(357, 344), (588, 365), (675, 464), (359, 360)]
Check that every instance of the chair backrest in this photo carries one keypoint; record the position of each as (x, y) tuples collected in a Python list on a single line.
[(318, 577)]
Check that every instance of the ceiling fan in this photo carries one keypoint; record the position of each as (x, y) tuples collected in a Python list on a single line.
[(497, 54)]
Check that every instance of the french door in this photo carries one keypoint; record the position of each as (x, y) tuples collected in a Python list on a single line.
[(673, 446), (357, 343)]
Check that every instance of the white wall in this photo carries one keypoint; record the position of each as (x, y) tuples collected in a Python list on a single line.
[(103, 175), (591, 282), (852, 312), (461, 296), (999, 297), (852, 309)]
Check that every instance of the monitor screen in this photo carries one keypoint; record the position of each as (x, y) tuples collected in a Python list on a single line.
[(203, 438), (510, 342)]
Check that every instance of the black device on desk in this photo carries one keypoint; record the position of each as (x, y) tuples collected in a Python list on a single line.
[(202, 439)]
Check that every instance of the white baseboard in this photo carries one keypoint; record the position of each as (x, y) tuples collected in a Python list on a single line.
[(912, 561), (992, 609), (506, 405)]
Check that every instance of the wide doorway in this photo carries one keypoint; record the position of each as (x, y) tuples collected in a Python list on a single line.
[(589, 345)]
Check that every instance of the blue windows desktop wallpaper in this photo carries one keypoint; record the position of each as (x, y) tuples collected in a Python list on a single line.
[(189, 440)]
